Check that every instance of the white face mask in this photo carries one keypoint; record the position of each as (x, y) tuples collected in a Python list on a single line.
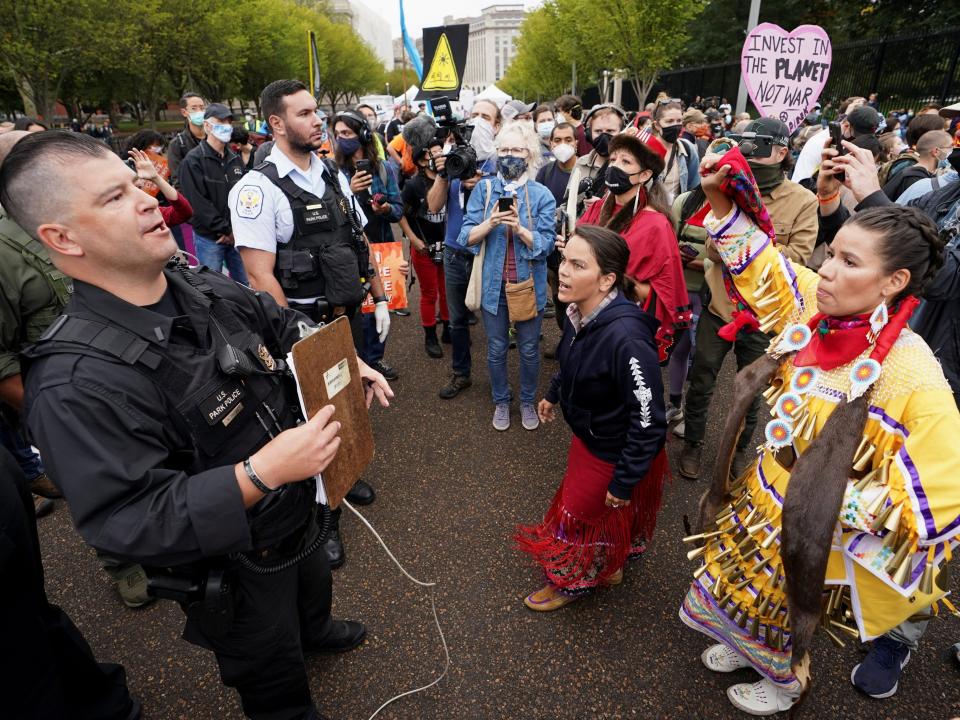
[(563, 152), (545, 128), (156, 150), (482, 139), (223, 133)]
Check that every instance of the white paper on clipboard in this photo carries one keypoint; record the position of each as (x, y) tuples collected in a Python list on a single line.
[(321, 491)]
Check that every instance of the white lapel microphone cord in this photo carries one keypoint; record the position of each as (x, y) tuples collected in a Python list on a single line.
[(433, 607)]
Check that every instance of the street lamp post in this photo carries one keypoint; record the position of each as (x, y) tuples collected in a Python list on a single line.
[(752, 21)]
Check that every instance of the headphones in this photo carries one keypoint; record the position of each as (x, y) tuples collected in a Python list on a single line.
[(364, 133)]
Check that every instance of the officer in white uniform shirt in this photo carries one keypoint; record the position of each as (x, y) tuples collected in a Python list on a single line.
[(300, 234)]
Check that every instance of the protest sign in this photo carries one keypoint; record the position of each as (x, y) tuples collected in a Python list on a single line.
[(389, 257), (444, 60), (785, 72)]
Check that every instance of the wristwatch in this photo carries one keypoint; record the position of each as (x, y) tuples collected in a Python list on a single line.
[(255, 479), (380, 299)]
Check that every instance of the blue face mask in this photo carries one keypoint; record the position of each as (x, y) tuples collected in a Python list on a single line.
[(944, 162), (223, 133), (348, 146), (511, 167), (196, 118)]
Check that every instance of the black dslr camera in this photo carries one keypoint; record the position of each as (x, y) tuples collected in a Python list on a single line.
[(461, 161)]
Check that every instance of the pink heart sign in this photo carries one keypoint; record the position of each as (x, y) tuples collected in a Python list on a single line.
[(785, 72)]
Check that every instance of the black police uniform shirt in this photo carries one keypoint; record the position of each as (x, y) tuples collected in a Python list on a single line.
[(429, 227), (111, 443)]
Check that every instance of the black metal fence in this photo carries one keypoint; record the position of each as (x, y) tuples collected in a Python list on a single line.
[(905, 72)]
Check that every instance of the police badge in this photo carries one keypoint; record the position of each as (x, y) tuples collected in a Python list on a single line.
[(266, 358)]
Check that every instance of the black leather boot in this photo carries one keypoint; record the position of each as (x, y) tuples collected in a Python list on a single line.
[(333, 547)]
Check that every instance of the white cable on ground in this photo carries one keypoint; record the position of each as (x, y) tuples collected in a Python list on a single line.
[(433, 606)]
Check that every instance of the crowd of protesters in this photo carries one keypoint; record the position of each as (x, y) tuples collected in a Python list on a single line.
[(640, 276)]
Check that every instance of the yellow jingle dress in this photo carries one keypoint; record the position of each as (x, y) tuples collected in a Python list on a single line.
[(900, 515)]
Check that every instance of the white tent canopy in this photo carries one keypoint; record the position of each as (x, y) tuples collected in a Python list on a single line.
[(409, 96), (494, 94)]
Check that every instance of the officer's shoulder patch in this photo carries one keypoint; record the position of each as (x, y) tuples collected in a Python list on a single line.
[(249, 202)]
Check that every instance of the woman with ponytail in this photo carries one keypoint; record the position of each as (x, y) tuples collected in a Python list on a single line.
[(849, 512), (635, 205), (610, 392)]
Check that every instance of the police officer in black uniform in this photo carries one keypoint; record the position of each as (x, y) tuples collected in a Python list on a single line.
[(161, 406), (300, 233)]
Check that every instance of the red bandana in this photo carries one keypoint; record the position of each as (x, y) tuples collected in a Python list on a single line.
[(834, 342)]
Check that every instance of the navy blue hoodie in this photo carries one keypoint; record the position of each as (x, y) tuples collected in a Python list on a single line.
[(610, 391)]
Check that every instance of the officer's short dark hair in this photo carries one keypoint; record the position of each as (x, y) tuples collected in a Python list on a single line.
[(271, 99), (32, 169), (185, 98)]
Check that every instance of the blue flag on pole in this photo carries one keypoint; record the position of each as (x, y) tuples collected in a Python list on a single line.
[(410, 46)]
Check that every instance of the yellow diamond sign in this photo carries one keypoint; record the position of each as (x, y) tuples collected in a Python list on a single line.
[(442, 74)]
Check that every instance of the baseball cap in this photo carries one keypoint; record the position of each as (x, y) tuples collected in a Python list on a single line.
[(950, 111), (218, 111), (692, 115), (774, 127), (863, 120), (515, 108)]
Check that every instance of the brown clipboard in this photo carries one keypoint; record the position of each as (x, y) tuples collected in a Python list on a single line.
[(325, 364)]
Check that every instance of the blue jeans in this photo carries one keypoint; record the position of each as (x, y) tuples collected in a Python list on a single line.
[(372, 347), (498, 342), (13, 441), (456, 270), (215, 256)]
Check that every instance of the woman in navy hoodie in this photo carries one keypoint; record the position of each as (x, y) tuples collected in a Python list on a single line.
[(611, 395)]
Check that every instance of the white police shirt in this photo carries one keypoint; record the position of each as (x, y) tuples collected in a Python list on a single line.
[(259, 211)]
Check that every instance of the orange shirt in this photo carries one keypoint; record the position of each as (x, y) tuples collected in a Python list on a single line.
[(407, 165)]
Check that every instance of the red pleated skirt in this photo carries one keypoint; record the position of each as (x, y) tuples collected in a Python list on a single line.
[(581, 541)]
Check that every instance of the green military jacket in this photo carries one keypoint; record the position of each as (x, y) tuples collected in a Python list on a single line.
[(32, 293)]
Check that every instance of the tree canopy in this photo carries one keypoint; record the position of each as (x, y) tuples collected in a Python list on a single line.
[(641, 37), (141, 54)]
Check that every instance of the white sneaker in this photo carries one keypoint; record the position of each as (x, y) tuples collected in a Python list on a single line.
[(762, 698), (674, 414), (680, 428), (723, 659)]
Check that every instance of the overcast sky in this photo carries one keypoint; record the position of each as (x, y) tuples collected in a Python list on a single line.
[(427, 13)]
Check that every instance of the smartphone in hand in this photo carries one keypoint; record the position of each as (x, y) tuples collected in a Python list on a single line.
[(505, 204), (363, 166), (836, 139)]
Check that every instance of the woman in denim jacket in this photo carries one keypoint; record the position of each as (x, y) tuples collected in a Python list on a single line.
[(517, 244)]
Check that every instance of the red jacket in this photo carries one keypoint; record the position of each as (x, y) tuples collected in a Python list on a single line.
[(179, 211), (655, 259)]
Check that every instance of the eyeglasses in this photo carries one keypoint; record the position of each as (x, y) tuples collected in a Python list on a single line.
[(520, 152)]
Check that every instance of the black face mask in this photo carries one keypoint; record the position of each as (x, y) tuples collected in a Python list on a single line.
[(717, 130), (601, 143), (670, 134), (954, 159), (617, 180)]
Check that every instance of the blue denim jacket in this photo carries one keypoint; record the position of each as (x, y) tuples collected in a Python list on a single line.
[(530, 261)]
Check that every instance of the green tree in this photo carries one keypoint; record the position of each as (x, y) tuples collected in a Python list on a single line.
[(42, 43), (348, 67), (539, 68), (640, 37)]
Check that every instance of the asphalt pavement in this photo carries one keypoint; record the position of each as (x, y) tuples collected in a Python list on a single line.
[(450, 491)]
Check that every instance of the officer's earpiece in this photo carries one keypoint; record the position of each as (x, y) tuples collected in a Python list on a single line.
[(364, 133)]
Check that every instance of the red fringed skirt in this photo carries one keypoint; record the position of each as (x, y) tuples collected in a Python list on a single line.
[(582, 542)]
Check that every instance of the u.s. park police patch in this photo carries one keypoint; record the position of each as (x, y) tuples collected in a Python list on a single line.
[(249, 202)]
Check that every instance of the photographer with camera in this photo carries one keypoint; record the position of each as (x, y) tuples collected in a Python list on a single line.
[(458, 171), (374, 185), (425, 231), (603, 122), (793, 211)]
